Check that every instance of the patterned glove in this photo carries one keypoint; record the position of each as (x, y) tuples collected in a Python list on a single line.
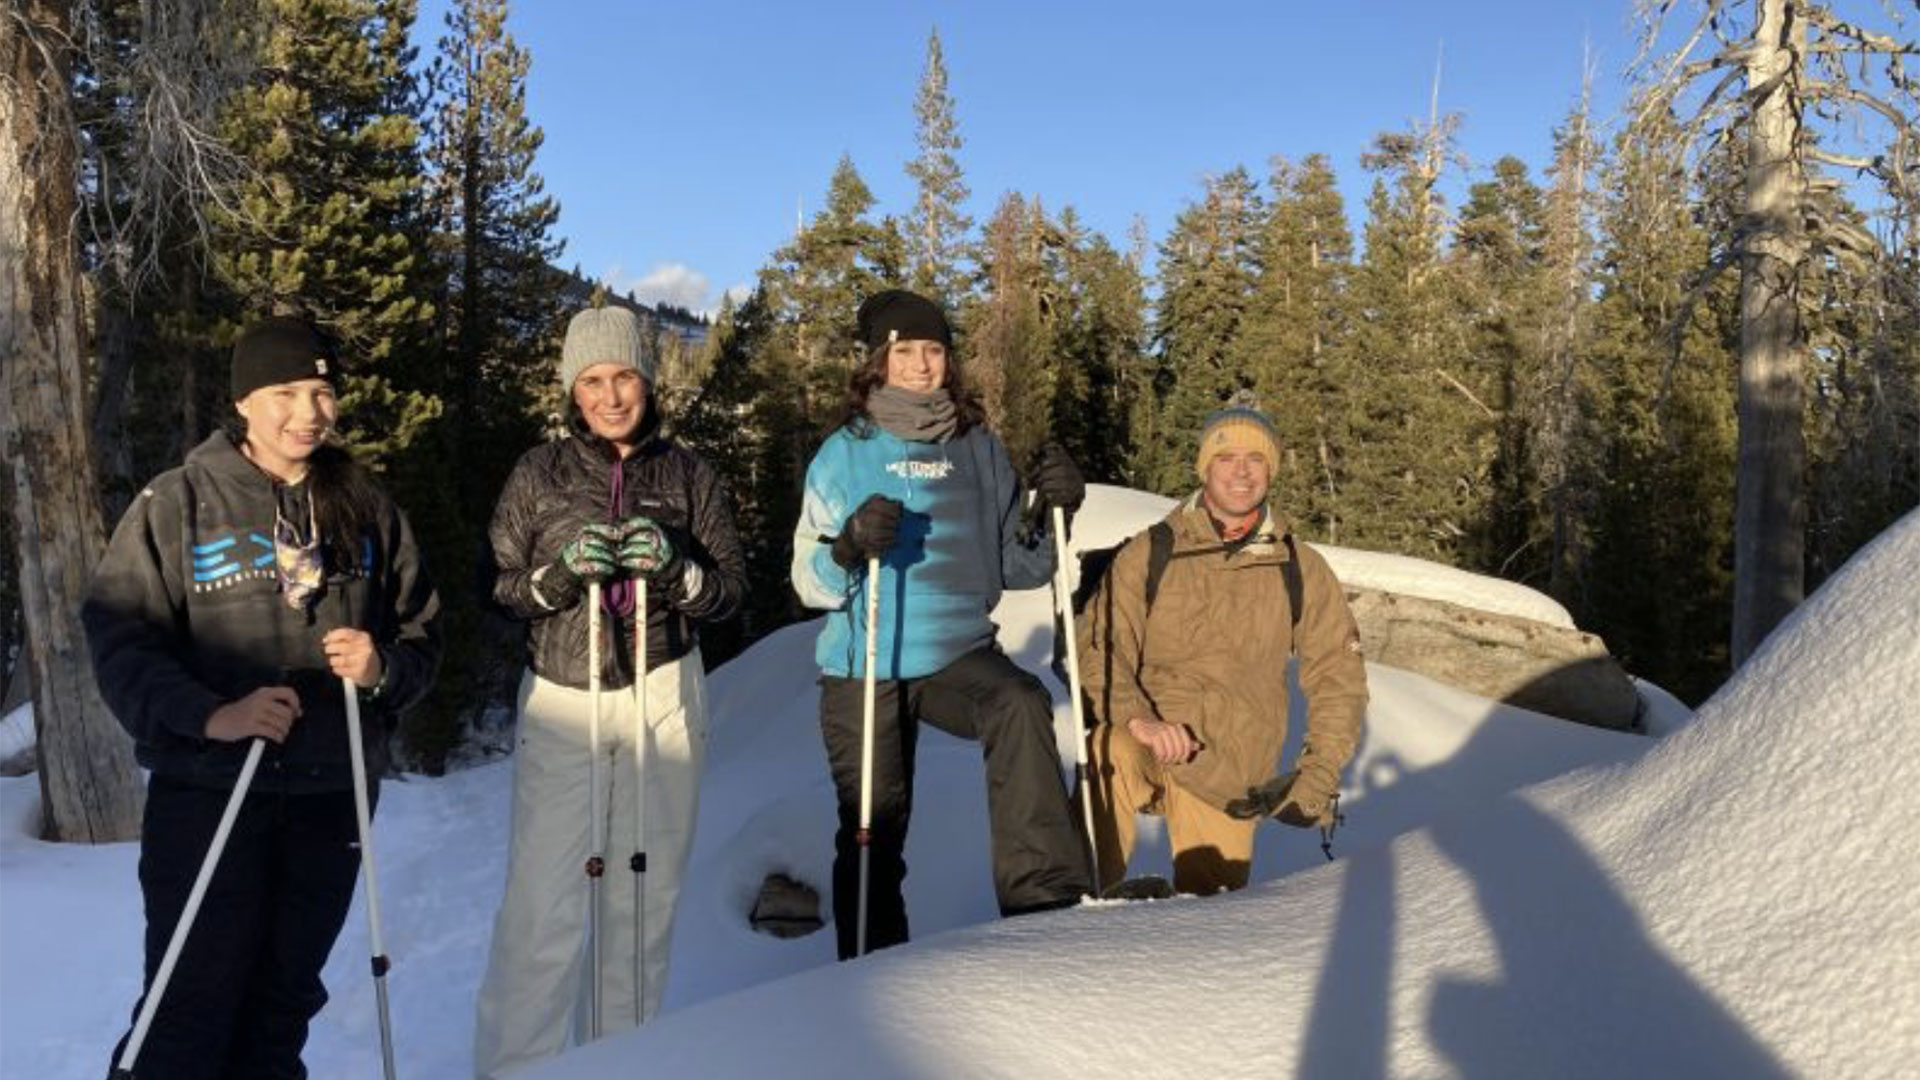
[(647, 551), (590, 557), (869, 532)]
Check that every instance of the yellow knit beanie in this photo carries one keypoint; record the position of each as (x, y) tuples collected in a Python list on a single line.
[(1240, 426)]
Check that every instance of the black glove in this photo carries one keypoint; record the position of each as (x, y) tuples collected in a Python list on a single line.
[(1262, 800), (869, 532), (1057, 480), (1302, 799), (591, 557)]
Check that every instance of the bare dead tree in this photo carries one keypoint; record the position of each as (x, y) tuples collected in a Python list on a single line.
[(1776, 77), (155, 159)]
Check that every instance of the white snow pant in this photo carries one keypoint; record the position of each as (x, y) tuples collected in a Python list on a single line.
[(535, 991)]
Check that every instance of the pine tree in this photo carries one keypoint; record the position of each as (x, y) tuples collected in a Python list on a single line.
[(744, 421), (814, 288), (498, 331), (937, 226), (1659, 586), (1208, 264), (1418, 436), (330, 221), (1290, 343), (494, 225), (1010, 359), (1564, 399), (1100, 343), (1498, 260)]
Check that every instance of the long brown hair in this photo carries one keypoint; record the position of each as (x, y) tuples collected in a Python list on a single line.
[(347, 503), (871, 375)]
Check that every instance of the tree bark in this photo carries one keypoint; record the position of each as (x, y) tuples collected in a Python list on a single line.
[(1769, 498), (90, 787)]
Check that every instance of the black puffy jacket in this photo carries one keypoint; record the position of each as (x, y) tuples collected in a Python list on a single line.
[(184, 614), (558, 487)]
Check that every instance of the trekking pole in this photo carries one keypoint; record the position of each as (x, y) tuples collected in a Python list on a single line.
[(864, 836), (124, 1070), (1063, 596), (639, 861), (596, 864), (364, 820)]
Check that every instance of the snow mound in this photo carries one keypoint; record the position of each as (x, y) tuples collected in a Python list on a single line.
[(1738, 901)]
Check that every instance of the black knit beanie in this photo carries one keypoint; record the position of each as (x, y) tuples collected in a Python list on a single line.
[(898, 315), (281, 349)]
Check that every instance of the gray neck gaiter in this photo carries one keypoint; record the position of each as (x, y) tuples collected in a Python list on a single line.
[(914, 417)]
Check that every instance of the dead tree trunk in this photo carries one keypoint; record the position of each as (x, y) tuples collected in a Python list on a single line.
[(90, 788), (1769, 533)]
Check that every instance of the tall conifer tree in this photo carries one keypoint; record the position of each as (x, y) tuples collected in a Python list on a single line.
[(1100, 341), (1208, 264), (1659, 588), (1290, 345), (331, 217), (937, 228), (1010, 357), (494, 227), (1419, 431)]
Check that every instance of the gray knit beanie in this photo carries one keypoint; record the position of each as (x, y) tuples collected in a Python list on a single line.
[(608, 335)]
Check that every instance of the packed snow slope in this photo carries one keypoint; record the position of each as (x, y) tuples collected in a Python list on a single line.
[(1739, 901), (1736, 899)]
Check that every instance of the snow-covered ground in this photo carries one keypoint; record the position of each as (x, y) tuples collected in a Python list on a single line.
[(1737, 898)]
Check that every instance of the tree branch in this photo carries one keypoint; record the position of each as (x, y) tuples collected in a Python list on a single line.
[(1834, 91), (1862, 40), (1469, 394), (1843, 161)]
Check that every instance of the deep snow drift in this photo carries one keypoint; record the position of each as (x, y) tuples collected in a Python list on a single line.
[(1740, 901), (1736, 899)]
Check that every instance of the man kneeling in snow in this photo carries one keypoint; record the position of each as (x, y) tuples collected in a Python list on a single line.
[(1183, 654)]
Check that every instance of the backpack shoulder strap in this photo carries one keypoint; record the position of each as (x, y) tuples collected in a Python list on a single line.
[(1296, 588), (1159, 551)]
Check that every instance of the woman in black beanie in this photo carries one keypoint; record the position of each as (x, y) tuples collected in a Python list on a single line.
[(913, 484), (238, 592)]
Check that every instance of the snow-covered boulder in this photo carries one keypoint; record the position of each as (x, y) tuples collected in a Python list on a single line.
[(1493, 638)]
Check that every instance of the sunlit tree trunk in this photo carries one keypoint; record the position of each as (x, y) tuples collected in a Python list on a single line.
[(1770, 503)]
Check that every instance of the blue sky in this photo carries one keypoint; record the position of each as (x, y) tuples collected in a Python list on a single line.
[(681, 139)]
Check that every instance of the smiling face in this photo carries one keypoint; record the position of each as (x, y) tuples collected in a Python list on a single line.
[(613, 399), (1237, 482), (917, 365), (286, 423)]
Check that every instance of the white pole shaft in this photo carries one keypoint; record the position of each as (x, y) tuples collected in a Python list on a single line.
[(1063, 596), (194, 896), (596, 846), (865, 837), (364, 820), (641, 732)]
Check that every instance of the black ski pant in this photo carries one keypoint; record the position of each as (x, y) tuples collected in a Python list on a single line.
[(248, 979), (1039, 854)]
